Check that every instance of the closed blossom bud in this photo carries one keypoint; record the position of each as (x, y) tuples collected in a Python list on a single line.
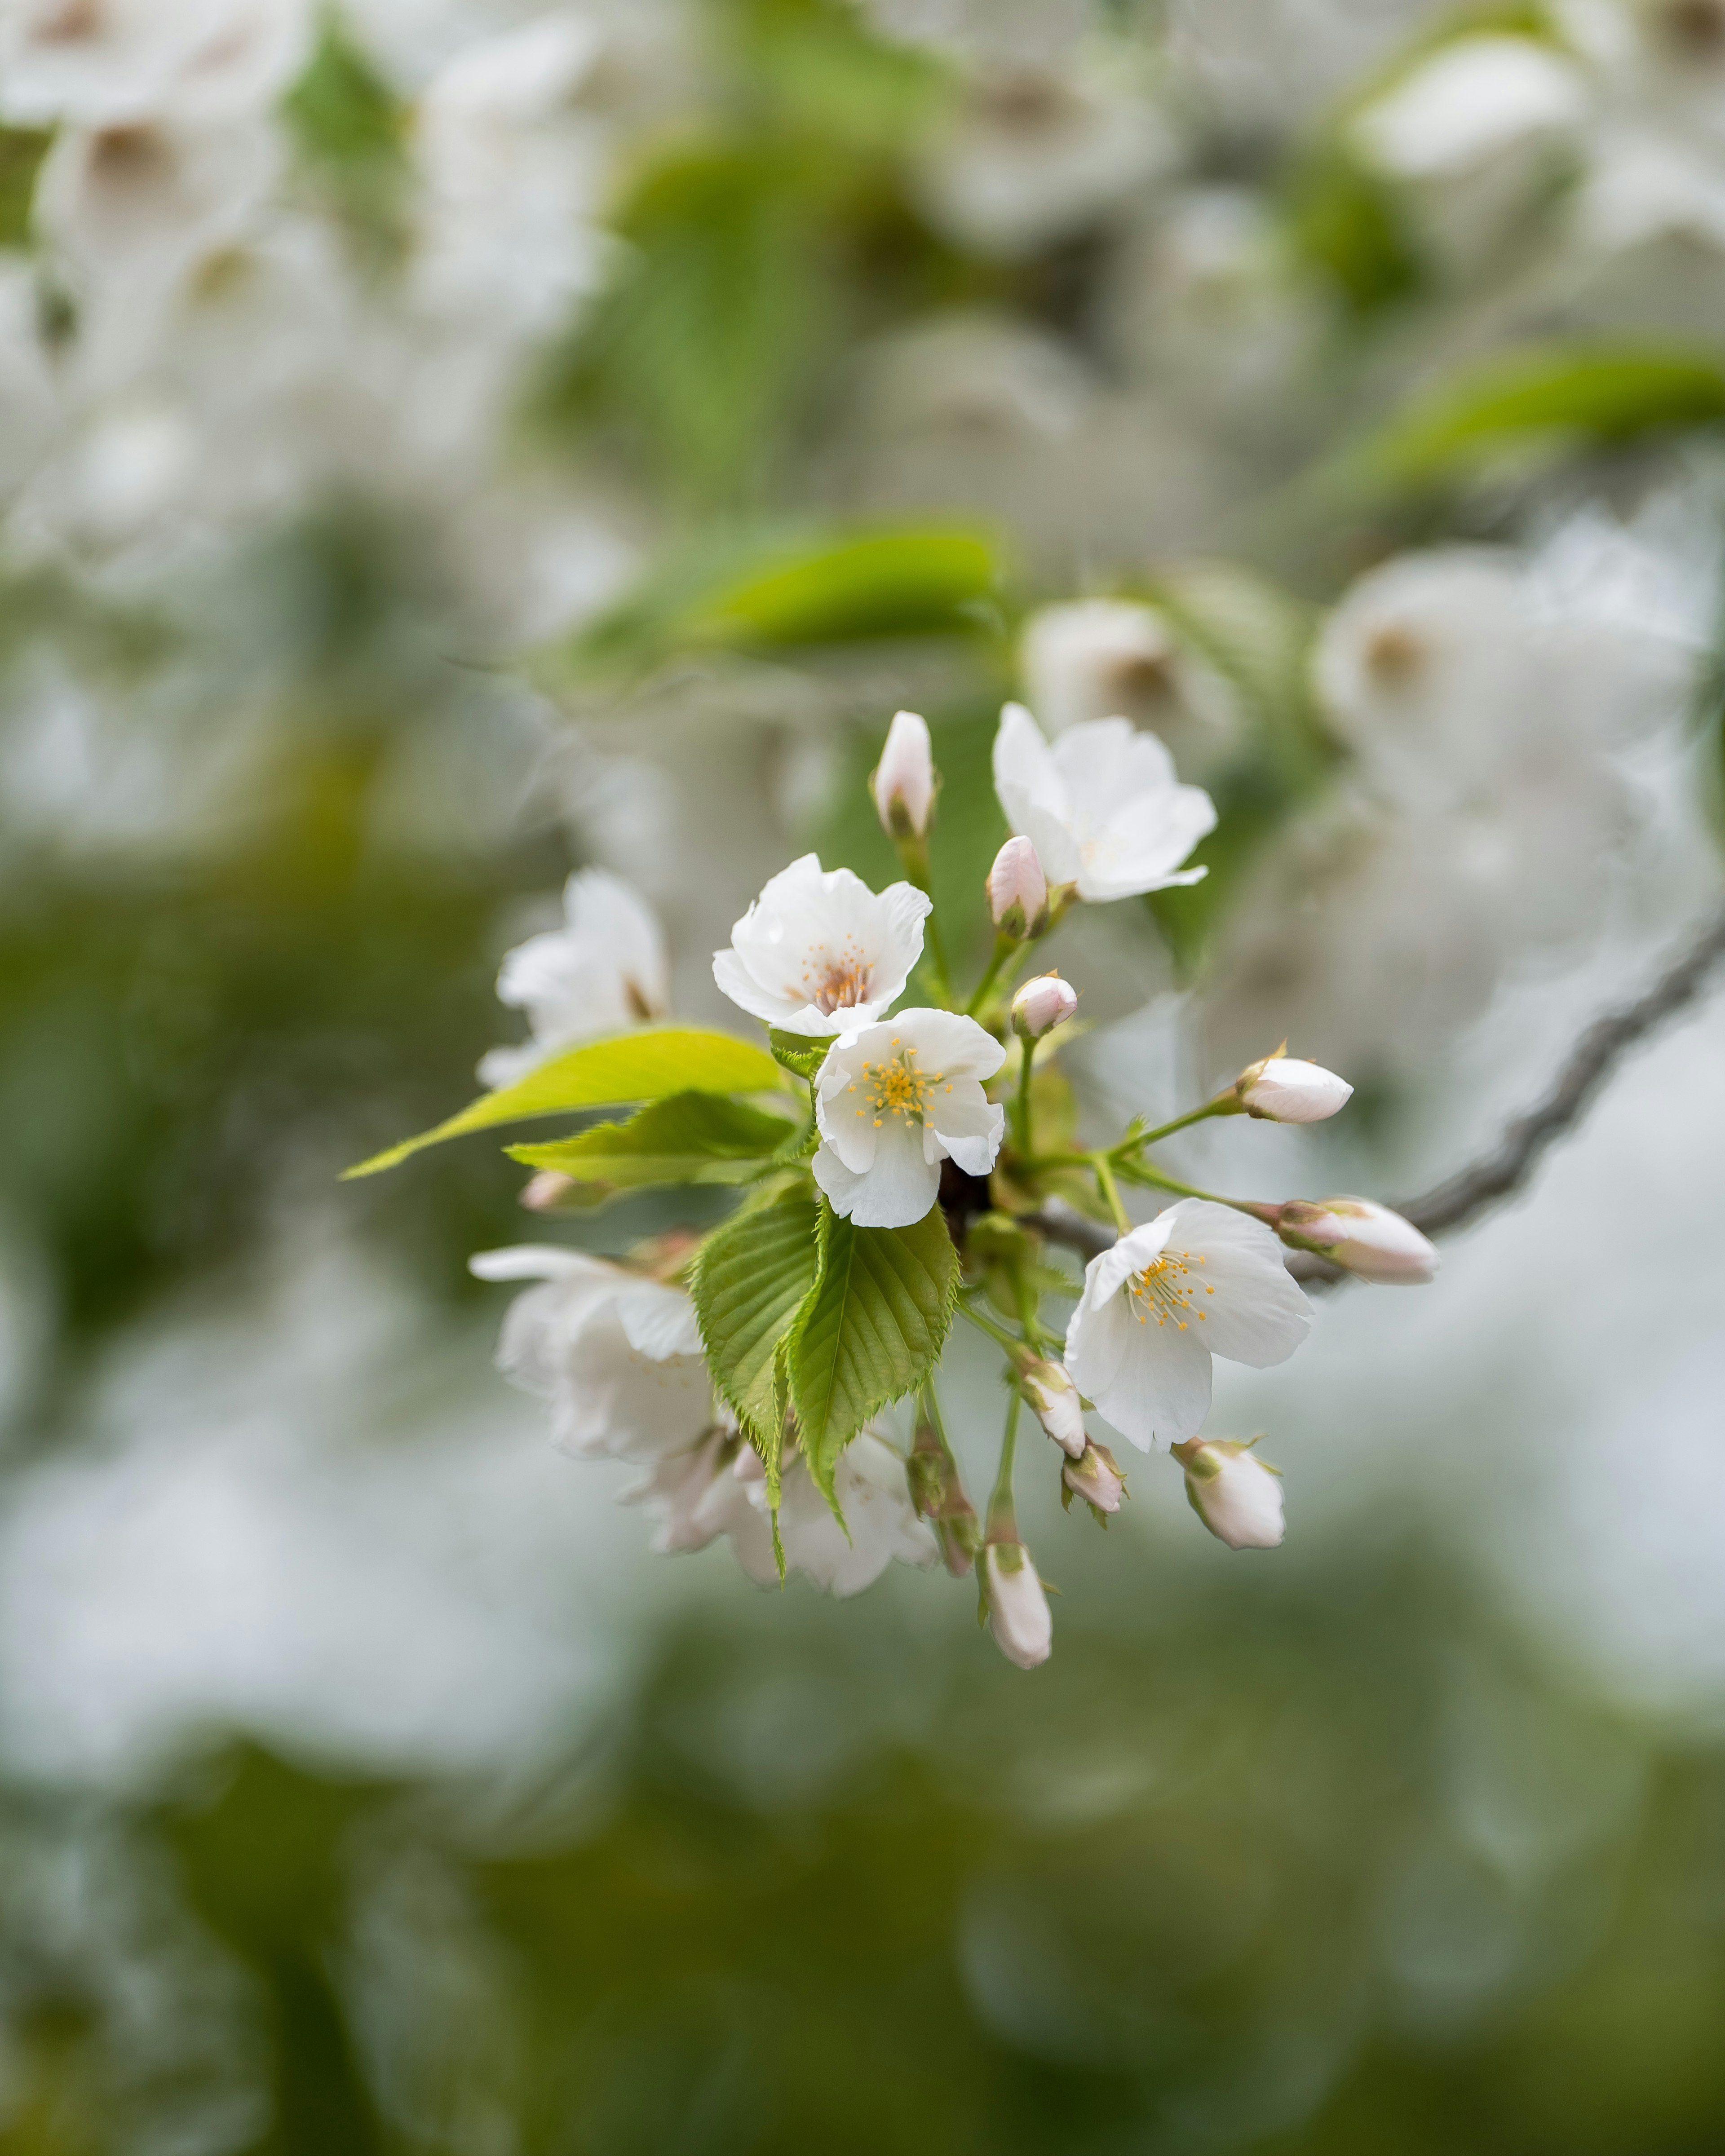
[(1018, 890), (1237, 1498), (1050, 1391), (545, 1192), (1282, 1089), (938, 1493), (1019, 1614), (1042, 1004), (1096, 1477), (903, 784), (1363, 1238)]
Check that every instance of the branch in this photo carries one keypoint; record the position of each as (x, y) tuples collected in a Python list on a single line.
[(1510, 1165)]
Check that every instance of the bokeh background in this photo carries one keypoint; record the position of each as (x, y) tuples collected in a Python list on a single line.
[(446, 442)]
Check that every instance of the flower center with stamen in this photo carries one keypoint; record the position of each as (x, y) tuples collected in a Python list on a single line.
[(838, 980), (1166, 1288), (894, 1088)]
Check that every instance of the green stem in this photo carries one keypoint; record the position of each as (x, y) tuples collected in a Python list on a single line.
[(998, 1334), (913, 854), (1027, 1303), (1005, 947), (1111, 1191), (1001, 1510), (1021, 1106), (1154, 1175), (1225, 1104)]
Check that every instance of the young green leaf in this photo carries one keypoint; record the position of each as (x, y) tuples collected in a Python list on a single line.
[(872, 1331), (796, 1053), (691, 1137), (750, 1281), (634, 1066)]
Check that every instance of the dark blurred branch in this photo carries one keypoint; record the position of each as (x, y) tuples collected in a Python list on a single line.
[(1508, 1167)]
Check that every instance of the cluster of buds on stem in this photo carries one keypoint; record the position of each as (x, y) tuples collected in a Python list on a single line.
[(1236, 1495), (1361, 1236)]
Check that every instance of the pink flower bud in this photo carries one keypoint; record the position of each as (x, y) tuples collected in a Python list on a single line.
[(1096, 1477), (1364, 1237), (1282, 1089), (1237, 1498), (1019, 1614), (1050, 1391), (1018, 890), (1042, 1004), (903, 784)]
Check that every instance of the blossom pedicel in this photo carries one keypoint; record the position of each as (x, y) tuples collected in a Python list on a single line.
[(748, 1368)]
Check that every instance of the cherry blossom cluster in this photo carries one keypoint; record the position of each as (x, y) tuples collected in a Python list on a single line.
[(899, 1152)]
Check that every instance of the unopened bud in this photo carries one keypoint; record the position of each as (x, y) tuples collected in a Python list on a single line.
[(1363, 1238), (1042, 1004), (1236, 1495), (904, 783), (938, 1493), (1018, 891), (1096, 1477), (1019, 1614), (1049, 1390), (1282, 1089), (545, 1192)]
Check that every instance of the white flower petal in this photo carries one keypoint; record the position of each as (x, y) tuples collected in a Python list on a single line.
[(1258, 1313)]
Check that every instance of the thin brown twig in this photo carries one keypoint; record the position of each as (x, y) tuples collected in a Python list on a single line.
[(1509, 1166)]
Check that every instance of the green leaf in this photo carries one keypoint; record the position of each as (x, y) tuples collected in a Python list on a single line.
[(797, 1053), (750, 1281), (881, 583), (691, 1137), (871, 1331), (635, 1066), (1599, 393)]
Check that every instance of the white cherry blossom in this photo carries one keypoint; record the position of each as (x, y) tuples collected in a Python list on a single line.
[(1236, 1495), (818, 952), (115, 63), (880, 1523), (1199, 1279), (694, 1496), (618, 1355), (1042, 1004), (1018, 890), (892, 1101), (1101, 805), (604, 971)]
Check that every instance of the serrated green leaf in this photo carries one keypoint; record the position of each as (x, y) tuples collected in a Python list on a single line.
[(634, 1066), (750, 1281), (691, 1137), (871, 1331), (796, 1053)]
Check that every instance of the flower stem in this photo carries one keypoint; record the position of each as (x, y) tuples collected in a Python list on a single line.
[(998, 1334), (1001, 1513), (1258, 1210), (1005, 947), (1111, 1191), (1021, 1106), (1225, 1104), (913, 854)]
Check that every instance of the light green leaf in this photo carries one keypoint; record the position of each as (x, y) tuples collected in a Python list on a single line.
[(691, 1137), (880, 583), (796, 1053), (1595, 392), (750, 1281), (871, 1331), (634, 1066)]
